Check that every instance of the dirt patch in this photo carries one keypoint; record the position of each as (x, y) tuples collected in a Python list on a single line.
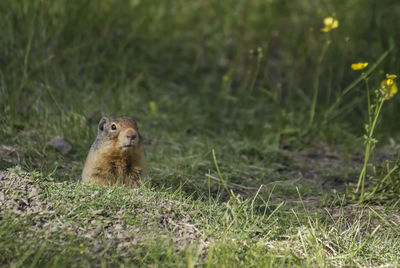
[(23, 196), (20, 193)]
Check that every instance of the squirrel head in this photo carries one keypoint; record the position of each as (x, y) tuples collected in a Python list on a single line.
[(120, 132)]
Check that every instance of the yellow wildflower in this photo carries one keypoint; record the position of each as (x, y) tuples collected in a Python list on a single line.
[(391, 76), (82, 250), (153, 107), (359, 66), (330, 24), (388, 86)]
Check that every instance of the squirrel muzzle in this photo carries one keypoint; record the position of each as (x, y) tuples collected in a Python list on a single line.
[(128, 138)]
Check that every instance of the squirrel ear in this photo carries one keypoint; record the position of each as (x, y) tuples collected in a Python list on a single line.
[(102, 123)]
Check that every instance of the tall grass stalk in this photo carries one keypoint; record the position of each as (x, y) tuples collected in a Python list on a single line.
[(316, 82), (254, 79)]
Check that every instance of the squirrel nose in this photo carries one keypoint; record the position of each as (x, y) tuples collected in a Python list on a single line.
[(131, 136)]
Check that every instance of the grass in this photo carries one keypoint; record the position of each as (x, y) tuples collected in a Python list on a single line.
[(68, 223), (255, 82)]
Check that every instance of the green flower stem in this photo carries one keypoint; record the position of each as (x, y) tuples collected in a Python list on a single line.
[(369, 142), (369, 99)]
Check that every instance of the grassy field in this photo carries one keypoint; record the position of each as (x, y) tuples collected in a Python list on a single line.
[(254, 126)]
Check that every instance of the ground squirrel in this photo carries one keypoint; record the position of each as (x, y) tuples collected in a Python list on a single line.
[(116, 155)]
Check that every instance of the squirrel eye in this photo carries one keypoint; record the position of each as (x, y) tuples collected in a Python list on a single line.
[(113, 127)]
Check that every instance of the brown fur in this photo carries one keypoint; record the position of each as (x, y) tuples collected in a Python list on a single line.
[(115, 156)]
